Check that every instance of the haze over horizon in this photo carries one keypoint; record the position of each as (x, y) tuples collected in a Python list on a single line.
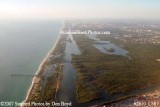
[(55, 9)]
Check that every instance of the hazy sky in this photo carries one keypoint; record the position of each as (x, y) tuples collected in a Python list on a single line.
[(49, 9)]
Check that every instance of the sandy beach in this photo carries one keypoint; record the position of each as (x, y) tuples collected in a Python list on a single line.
[(40, 67)]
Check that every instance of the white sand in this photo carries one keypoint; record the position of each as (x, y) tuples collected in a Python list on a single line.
[(40, 68)]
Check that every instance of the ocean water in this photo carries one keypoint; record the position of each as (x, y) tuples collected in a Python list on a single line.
[(23, 45)]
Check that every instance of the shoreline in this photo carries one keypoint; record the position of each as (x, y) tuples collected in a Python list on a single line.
[(41, 66)]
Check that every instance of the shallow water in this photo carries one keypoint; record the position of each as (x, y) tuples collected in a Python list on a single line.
[(118, 50), (23, 45), (102, 46), (67, 92)]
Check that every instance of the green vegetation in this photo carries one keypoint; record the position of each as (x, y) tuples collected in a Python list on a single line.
[(110, 50), (50, 87), (45, 89), (37, 96), (47, 93), (114, 73), (86, 93)]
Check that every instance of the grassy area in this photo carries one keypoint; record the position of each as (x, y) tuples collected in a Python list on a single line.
[(113, 73), (45, 89), (47, 93), (85, 93)]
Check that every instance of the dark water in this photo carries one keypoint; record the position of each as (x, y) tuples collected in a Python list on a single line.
[(67, 92), (23, 45)]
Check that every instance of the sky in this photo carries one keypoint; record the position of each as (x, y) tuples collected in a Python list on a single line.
[(54, 9)]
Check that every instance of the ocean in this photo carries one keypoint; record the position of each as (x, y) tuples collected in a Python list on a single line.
[(23, 45)]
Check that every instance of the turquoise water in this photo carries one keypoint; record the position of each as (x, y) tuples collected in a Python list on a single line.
[(23, 45)]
